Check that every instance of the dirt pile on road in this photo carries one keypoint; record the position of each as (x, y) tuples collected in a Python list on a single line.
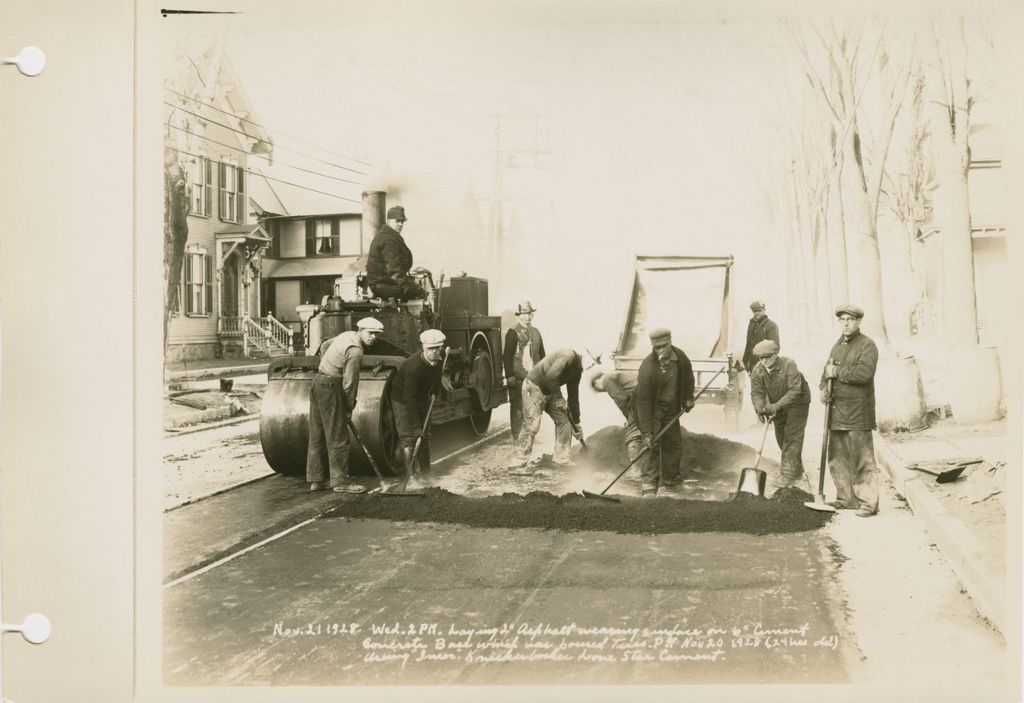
[(701, 452), (574, 513)]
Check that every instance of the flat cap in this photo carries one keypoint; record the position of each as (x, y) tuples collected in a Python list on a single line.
[(370, 323), (765, 347), (659, 333), (432, 338), (757, 305), (852, 310), (396, 213)]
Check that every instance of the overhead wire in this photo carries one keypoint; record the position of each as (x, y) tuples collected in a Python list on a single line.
[(266, 158), (259, 174), (257, 124)]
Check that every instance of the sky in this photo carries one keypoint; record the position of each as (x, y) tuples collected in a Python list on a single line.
[(655, 119)]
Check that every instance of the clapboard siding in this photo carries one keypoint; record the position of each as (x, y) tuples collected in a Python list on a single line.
[(293, 238), (286, 297)]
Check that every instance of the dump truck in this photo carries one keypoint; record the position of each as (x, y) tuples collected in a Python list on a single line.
[(458, 307), (690, 296)]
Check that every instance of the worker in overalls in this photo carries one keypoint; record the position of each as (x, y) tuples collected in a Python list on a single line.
[(417, 380), (779, 393)]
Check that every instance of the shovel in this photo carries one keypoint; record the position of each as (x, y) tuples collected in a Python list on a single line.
[(419, 441), (753, 475), (601, 495), (819, 503), (384, 485), (947, 475)]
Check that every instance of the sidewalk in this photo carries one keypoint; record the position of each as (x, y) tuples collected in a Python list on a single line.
[(208, 369), (966, 518)]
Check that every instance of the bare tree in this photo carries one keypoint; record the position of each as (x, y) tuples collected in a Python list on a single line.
[(949, 109)]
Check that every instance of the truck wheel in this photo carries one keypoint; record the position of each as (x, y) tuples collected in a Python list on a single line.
[(481, 384)]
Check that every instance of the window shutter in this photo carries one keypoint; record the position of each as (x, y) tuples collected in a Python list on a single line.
[(275, 239), (208, 186), (310, 237), (240, 204), (335, 236), (209, 284), (221, 181), (188, 285)]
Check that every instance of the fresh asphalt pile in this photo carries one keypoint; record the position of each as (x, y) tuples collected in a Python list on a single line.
[(784, 512), (702, 453)]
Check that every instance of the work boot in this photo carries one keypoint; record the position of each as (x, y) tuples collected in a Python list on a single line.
[(349, 487), (408, 464), (317, 486), (865, 512)]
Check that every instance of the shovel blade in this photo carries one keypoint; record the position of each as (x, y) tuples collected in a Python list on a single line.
[(588, 494)]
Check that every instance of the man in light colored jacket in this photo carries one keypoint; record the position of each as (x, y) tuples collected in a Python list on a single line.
[(332, 399)]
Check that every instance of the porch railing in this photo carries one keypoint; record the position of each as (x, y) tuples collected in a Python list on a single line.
[(267, 334)]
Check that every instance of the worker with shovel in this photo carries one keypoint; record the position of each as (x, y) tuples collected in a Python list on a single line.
[(418, 379), (332, 399), (779, 393), (620, 387), (664, 386), (542, 392), (850, 374)]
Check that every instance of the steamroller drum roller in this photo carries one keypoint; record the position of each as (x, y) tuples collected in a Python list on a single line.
[(284, 416), (481, 384)]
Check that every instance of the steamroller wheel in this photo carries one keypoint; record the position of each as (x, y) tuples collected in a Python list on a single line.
[(481, 383), (284, 419)]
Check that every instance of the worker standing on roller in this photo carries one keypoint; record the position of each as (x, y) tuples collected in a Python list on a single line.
[(542, 393), (389, 261), (620, 387), (418, 378), (779, 392), (851, 451), (524, 347), (332, 399), (664, 386)]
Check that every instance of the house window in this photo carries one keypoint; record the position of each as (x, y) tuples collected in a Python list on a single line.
[(198, 291), (322, 237), (202, 186), (230, 190)]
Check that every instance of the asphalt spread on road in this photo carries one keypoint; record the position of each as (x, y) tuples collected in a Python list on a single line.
[(745, 513)]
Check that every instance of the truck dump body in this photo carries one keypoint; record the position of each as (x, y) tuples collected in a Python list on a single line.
[(690, 296)]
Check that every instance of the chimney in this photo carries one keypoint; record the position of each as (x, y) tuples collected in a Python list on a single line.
[(373, 217)]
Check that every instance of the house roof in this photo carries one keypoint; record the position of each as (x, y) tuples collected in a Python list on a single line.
[(338, 266), (250, 231)]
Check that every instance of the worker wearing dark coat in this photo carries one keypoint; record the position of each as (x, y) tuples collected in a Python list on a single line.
[(664, 386), (418, 378), (524, 347), (779, 393), (851, 453), (542, 393), (759, 329), (389, 261)]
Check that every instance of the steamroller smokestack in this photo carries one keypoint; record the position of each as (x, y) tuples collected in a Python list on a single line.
[(374, 202)]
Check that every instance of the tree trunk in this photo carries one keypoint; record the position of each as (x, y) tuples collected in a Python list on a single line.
[(176, 207), (835, 234)]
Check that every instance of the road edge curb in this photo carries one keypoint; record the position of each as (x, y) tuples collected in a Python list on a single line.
[(955, 541)]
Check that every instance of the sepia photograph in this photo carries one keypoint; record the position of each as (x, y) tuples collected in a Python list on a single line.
[(582, 343)]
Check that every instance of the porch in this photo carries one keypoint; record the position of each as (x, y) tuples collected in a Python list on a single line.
[(255, 337)]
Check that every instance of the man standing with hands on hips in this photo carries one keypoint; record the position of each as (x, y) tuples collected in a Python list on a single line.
[(851, 453), (524, 348), (332, 399)]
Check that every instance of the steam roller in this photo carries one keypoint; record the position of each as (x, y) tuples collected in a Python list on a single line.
[(458, 308)]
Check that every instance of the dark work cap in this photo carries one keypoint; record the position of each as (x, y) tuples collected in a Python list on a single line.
[(396, 213), (852, 310)]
